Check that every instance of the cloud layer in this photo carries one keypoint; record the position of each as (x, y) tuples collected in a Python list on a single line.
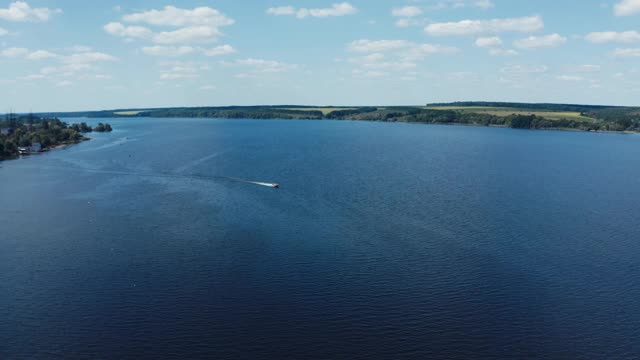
[(479, 27), (627, 8), (198, 25), (534, 42), (339, 9), (21, 11)]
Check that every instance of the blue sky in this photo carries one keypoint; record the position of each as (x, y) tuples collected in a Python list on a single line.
[(87, 55)]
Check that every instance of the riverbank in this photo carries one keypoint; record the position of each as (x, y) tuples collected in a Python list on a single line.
[(46, 150), (20, 135), (521, 116)]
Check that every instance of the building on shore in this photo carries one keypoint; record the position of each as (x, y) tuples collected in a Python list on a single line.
[(26, 150)]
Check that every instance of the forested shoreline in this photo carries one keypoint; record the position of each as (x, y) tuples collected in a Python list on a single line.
[(514, 115), (30, 134)]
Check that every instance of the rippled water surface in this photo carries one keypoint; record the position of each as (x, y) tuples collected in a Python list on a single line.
[(385, 241)]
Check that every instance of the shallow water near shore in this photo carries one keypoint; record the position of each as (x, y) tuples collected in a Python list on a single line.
[(384, 241)]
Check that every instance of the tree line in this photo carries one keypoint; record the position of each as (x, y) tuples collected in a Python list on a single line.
[(17, 132), (606, 118)]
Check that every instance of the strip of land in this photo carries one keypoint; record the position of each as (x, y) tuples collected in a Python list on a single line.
[(515, 115), (29, 134)]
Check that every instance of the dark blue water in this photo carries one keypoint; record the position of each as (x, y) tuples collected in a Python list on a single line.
[(386, 241)]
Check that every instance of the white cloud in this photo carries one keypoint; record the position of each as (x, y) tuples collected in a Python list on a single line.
[(462, 76), (181, 71), (73, 66), (489, 42), (41, 54), (483, 4), (3, 32), (384, 57), (406, 11), (406, 51), (20, 11), (524, 69), (340, 9), (588, 68), (365, 45), (376, 61), (88, 57), (95, 77), (177, 76), (420, 51), (477, 27), (79, 48), (207, 87), (33, 77), (173, 16), (627, 53), (403, 23), (192, 34), (371, 57), (369, 73), (281, 10), (459, 4), (569, 78), (132, 32), (408, 14), (198, 25), (64, 83), (168, 51), (256, 68), (594, 84), (494, 45), (502, 52), (266, 66), (627, 8), (48, 70), (535, 42), (177, 51), (219, 50), (613, 37), (14, 52)]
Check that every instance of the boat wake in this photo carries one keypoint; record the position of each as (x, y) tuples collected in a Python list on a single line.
[(195, 177), (170, 175), (272, 185)]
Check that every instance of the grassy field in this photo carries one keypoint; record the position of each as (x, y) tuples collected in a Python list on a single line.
[(325, 111), (128, 113), (505, 111)]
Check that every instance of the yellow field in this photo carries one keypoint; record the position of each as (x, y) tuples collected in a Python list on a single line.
[(505, 111), (325, 111), (128, 113)]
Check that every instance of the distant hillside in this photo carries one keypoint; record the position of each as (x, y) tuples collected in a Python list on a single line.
[(516, 115), (534, 106), (617, 117)]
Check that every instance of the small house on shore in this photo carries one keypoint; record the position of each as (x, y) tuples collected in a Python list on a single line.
[(26, 150)]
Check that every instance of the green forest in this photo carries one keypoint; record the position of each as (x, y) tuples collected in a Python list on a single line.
[(514, 115), (24, 131)]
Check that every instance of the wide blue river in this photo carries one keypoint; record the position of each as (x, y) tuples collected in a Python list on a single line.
[(385, 241)]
